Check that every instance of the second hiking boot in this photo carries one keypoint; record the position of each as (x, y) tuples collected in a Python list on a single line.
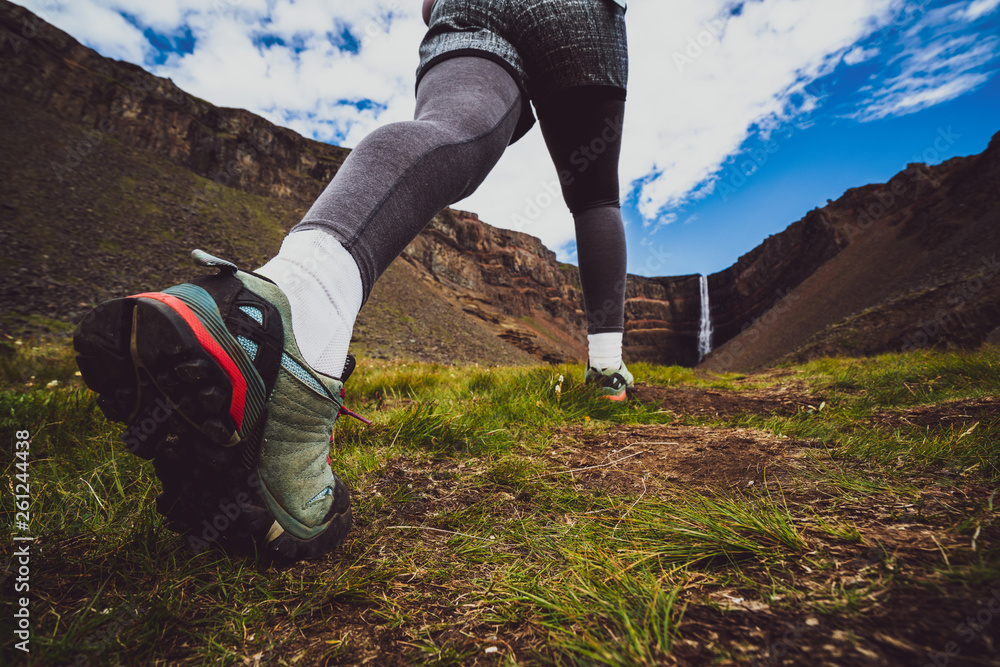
[(612, 383)]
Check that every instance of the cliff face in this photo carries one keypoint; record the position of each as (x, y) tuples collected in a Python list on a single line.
[(507, 279), (114, 100), (662, 316), (906, 264), (765, 276), (887, 267), (508, 269)]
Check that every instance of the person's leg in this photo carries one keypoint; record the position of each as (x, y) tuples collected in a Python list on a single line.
[(575, 58), (386, 192), (232, 386), (582, 129)]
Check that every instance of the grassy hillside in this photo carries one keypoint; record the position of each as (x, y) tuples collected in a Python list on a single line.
[(840, 512)]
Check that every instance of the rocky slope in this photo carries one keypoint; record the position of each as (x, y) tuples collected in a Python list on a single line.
[(887, 267)]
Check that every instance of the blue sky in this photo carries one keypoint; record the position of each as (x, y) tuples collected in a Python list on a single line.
[(742, 116)]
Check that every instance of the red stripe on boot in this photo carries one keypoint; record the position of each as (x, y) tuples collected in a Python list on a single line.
[(205, 339)]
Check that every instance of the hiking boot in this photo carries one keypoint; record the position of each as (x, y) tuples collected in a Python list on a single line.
[(213, 388), (612, 383)]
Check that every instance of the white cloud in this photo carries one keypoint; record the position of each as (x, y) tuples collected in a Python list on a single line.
[(119, 38), (859, 54), (686, 123), (939, 61), (698, 85), (980, 8), (302, 83)]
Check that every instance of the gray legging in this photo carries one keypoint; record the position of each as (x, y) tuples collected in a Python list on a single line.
[(403, 174)]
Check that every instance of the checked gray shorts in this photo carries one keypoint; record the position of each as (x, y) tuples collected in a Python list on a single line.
[(548, 46)]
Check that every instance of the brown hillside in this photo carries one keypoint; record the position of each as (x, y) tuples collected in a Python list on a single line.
[(914, 263)]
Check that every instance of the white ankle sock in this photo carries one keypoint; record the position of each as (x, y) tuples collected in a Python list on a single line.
[(323, 286), (605, 350)]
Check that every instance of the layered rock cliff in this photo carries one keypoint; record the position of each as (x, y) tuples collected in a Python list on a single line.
[(115, 100), (505, 278), (661, 319)]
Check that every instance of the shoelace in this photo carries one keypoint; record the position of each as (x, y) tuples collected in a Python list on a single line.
[(351, 413)]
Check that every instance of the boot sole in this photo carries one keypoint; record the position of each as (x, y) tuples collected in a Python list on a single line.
[(156, 367)]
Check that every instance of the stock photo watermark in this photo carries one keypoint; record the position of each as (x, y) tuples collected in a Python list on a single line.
[(97, 642), (792, 638), (751, 160), (885, 201), (21, 559), (258, 143), (748, 164), (79, 151), (228, 512), (581, 160), (972, 627), (697, 45), (376, 28), (757, 328), (908, 13)]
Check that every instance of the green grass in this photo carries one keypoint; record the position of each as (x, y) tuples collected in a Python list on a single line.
[(470, 537), (867, 402), (599, 608)]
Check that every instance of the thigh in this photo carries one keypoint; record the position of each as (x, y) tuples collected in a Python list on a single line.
[(479, 28), (583, 130)]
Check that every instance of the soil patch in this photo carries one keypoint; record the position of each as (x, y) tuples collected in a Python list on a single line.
[(632, 460), (942, 415), (900, 626), (784, 399)]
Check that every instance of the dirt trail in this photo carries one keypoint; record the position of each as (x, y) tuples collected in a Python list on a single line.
[(886, 599)]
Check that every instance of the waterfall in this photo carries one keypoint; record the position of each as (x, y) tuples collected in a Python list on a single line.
[(705, 329)]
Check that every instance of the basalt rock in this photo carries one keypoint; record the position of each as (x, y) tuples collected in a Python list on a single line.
[(505, 278), (114, 100), (908, 264), (661, 319)]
